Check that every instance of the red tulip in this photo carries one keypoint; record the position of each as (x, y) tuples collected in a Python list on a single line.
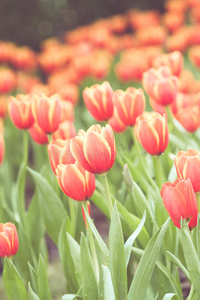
[(38, 135), (66, 130), (9, 242), (47, 112), (180, 201), (75, 181), (173, 60), (129, 104), (95, 149), (151, 130), (99, 101), (20, 111), (187, 165), (59, 153), (161, 85)]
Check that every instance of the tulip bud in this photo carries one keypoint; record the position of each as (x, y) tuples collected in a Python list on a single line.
[(75, 181), (47, 112), (99, 101), (151, 130), (20, 111), (9, 242), (95, 149), (129, 104), (187, 165), (180, 201)]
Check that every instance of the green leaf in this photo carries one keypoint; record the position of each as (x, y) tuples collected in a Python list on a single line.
[(99, 239), (131, 239), (170, 296), (43, 285), (66, 258), (34, 277), (133, 222), (31, 294), (177, 262), (90, 288), (191, 258), (75, 253), (146, 265), (117, 257), (70, 297), (13, 283), (107, 284), (52, 209)]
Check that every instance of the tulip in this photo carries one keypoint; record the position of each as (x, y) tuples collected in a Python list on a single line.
[(95, 149), (65, 131), (187, 165), (9, 242), (174, 61), (189, 117), (59, 153), (2, 147), (116, 123), (20, 111), (47, 112), (151, 130), (38, 135), (7, 81), (161, 85), (99, 101), (129, 104), (180, 201), (75, 181)]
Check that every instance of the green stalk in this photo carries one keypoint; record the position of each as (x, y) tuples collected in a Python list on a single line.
[(92, 244), (198, 200), (142, 160), (107, 192), (191, 293), (160, 177), (72, 217)]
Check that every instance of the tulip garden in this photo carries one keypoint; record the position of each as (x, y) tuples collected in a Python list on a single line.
[(105, 122)]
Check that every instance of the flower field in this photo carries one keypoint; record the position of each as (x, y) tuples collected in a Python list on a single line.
[(106, 120)]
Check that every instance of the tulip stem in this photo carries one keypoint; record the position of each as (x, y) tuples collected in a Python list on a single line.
[(92, 244), (141, 159), (72, 217), (158, 169), (25, 147), (198, 200), (191, 292), (107, 192)]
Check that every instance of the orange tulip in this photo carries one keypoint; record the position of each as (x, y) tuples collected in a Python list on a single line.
[(173, 60), (9, 242), (47, 112), (95, 149), (180, 201), (151, 130), (20, 111), (65, 131), (187, 165), (75, 181), (189, 117), (99, 101)]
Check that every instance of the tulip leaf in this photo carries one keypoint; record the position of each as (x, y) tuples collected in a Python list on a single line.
[(52, 209), (66, 258), (33, 276), (90, 288), (146, 265), (75, 253), (131, 239), (107, 284), (43, 285), (100, 241), (133, 222), (170, 296), (191, 258), (31, 294), (117, 266), (13, 283), (177, 262), (70, 297)]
